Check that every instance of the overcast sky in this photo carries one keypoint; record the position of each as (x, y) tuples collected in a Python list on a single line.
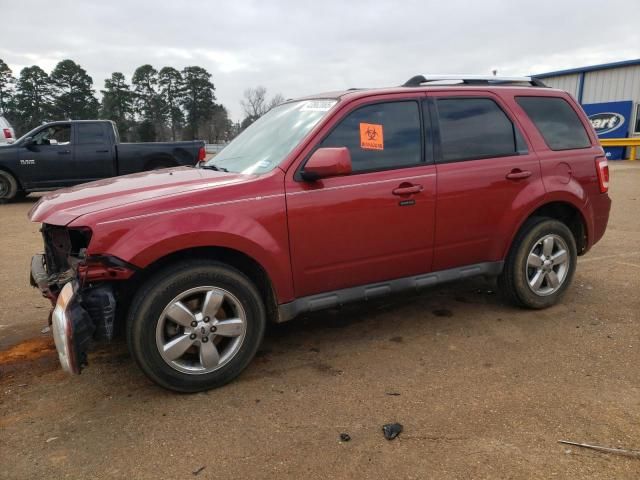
[(297, 47)]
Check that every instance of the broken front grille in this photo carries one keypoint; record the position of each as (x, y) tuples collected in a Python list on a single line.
[(63, 247)]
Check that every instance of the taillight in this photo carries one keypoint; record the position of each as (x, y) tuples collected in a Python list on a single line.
[(201, 154), (7, 133), (602, 167)]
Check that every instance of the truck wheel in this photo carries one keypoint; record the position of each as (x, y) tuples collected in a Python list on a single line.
[(540, 265), (8, 186), (195, 325)]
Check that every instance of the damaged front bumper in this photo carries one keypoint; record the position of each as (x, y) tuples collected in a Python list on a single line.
[(79, 315), (66, 321)]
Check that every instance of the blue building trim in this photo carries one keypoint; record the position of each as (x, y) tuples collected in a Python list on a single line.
[(581, 87), (592, 68)]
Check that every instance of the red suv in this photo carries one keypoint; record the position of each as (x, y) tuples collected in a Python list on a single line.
[(325, 200)]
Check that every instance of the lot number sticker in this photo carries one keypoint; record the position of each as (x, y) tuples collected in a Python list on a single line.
[(371, 136), (317, 105)]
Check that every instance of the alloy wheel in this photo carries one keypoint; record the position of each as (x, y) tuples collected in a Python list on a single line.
[(547, 265), (201, 330)]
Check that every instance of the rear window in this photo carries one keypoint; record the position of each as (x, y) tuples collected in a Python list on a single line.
[(557, 121)]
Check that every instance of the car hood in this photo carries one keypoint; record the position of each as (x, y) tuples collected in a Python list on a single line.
[(63, 206)]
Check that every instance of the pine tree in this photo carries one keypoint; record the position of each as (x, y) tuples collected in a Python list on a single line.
[(149, 104), (72, 88), (33, 99), (172, 93), (7, 82), (117, 103), (198, 98), (220, 126)]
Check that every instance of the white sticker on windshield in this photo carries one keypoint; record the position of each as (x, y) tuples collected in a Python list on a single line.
[(317, 105)]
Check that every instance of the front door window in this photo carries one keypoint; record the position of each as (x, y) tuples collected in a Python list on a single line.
[(54, 135)]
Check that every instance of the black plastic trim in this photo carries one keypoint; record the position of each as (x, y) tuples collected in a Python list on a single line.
[(320, 301)]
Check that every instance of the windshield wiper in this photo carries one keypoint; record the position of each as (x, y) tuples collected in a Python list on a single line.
[(214, 167)]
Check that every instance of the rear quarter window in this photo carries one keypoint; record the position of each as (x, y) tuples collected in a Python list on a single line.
[(557, 121)]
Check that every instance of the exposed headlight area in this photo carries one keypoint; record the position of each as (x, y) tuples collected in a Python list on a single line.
[(64, 247), (81, 290)]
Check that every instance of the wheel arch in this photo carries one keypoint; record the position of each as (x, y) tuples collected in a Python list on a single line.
[(564, 211), (237, 259), (156, 160)]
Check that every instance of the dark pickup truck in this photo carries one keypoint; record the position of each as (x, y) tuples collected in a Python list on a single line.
[(61, 154)]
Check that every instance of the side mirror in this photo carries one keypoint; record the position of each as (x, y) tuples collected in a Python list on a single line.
[(327, 162), (27, 142)]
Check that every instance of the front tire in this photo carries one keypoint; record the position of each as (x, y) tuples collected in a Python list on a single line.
[(195, 325), (540, 265), (8, 187)]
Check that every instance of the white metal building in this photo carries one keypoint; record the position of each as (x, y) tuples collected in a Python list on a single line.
[(609, 89)]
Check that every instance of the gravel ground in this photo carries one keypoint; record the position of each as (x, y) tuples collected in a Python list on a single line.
[(483, 390)]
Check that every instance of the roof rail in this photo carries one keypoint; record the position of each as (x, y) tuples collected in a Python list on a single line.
[(419, 80)]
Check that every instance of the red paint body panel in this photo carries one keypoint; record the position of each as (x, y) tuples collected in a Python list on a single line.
[(143, 217), (477, 205), (570, 176), (351, 230), (312, 237)]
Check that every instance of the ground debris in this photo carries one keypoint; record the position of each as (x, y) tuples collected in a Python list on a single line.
[(392, 394), (391, 430), (345, 437), (198, 470), (617, 451)]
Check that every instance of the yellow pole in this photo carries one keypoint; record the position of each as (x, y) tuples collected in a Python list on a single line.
[(632, 152)]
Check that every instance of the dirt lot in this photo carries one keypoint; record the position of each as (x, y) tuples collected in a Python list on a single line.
[(483, 390)]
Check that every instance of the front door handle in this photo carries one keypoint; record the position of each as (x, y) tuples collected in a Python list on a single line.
[(102, 151), (408, 190), (64, 152), (517, 174)]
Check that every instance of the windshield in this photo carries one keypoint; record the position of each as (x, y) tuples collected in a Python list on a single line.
[(264, 144)]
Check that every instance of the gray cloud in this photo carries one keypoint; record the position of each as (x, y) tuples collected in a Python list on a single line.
[(300, 47)]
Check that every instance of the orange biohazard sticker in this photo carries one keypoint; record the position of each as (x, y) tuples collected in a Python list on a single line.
[(371, 136)]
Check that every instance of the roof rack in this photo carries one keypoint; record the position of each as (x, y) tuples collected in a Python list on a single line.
[(419, 80)]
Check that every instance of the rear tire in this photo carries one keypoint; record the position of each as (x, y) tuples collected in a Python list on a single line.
[(8, 187), (195, 325), (540, 265)]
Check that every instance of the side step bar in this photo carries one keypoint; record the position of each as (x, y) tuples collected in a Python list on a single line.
[(320, 301)]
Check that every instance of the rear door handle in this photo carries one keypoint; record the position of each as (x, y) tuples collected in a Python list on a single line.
[(517, 174), (102, 151), (64, 152), (408, 190)]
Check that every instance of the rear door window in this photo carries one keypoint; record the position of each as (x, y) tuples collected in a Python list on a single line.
[(91, 133), (476, 128), (380, 136), (557, 122)]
